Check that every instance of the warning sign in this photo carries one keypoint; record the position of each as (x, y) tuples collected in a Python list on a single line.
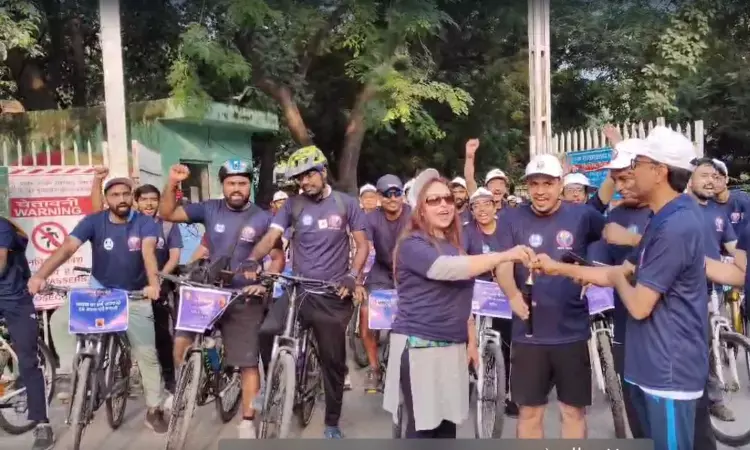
[(47, 202), (48, 236)]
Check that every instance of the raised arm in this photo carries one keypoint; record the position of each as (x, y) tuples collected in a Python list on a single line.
[(97, 196), (471, 149), (168, 208)]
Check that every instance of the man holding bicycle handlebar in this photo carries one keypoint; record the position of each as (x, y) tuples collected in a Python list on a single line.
[(123, 253), (234, 225), (320, 250)]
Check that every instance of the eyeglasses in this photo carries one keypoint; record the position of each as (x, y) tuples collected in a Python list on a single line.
[(393, 193), (634, 163), (482, 204), (435, 200)]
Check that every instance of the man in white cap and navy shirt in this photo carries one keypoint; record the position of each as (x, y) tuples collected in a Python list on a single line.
[(461, 199), (368, 198)]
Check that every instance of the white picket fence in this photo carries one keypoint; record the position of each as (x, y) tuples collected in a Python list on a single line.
[(71, 153), (593, 138)]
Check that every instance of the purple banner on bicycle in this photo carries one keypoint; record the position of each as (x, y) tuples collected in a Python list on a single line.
[(95, 311), (600, 299), (199, 308), (490, 301), (382, 309)]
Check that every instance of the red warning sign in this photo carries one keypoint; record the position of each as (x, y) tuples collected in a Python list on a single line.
[(48, 236)]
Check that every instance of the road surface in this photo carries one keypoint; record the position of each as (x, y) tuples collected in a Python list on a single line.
[(363, 417)]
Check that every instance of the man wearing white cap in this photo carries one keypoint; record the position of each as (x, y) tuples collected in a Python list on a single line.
[(279, 198), (495, 181), (460, 199), (735, 204), (368, 198), (550, 335)]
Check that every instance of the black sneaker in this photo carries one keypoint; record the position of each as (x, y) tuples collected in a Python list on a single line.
[(511, 409), (155, 421), (44, 438)]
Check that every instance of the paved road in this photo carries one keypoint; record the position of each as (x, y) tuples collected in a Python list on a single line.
[(363, 418)]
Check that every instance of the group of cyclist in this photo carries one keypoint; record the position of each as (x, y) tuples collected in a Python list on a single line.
[(431, 239)]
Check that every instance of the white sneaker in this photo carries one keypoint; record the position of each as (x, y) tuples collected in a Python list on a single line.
[(167, 404), (347, 383), (246, 429)]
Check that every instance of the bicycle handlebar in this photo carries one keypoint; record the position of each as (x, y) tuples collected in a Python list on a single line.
[(64, 290), (185, 282)]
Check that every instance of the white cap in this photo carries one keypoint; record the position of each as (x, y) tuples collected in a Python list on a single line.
[(668, 147), (367, 188), (419, 183), (480, 193), (495, 174), (544, 164), (409, 184), (280, 195), (721, 166), (576, 178), (512, 198), (459, 181), (624, 152)]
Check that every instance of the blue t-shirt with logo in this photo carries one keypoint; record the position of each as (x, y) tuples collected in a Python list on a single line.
[(718, 230), (479, 243), (14, 277), (668, 350), (116, 248), (560, 316), (744, 244), (635, 220), (383, 234), (736, 208), (321, 244), (166, 243), (230, 231)]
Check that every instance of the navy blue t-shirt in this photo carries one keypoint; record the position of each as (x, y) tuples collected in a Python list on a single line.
[(17, 273), (430, 309), (560, 315), (465, 216), (736, 208), (635, 220), (223, 231), (167, 243), (718, 230), (116, 256), (479, 243), (744, 244), (668, 350), (595, 202), (383, 234)]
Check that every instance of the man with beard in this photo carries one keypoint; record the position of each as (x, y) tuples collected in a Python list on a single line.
[(483, 230), (123, 256), (234, 226), (384, 226), (460, 199), (735, 204), (555, 352), (322, 219), (168, 251)]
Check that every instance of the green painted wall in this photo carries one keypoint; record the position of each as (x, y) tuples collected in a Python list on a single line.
[(179, 141)]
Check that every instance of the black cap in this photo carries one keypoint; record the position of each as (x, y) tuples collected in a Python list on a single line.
[(115, 181)]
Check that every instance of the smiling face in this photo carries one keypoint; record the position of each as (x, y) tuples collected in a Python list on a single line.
[(392, 200), (624, 182), (544, 192), (702, 183), (483, 210), (438, 207)]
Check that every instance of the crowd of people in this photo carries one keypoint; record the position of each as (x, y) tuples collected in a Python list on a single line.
[(660, 242)]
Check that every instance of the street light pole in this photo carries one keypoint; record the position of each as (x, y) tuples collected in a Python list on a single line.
[(114, 88), (540, 89)]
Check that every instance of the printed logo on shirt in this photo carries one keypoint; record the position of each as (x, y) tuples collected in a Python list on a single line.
[(248, 234), (485, 248), (719, 222), (108, 244), (334, 222), (735, 217), (536, 240), (160, 244), (633, 228), (564, 240), (219, 228), (307, 220), (322, 224), (134, 243)]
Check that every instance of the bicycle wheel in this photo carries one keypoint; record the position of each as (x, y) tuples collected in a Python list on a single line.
[(741, 438), (81, 408), (279, 402), (117, 378), (356, 344), (47, 364), (490, 395), (227, 387), (612, 385), (311, 384), (185, 397)]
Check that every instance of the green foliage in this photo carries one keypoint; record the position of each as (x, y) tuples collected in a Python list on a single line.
[(20, 22)]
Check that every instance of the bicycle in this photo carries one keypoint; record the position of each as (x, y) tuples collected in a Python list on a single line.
[(488, 381), (724, 348), (13, 396), (102, 374), (193, 387), (293, 379), (356, 343)]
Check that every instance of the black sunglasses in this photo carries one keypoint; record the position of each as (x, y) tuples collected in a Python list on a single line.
[(392, 193)]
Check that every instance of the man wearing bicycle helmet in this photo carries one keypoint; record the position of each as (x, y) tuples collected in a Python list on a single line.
[(322, 219), (17, 309), (234, 226)]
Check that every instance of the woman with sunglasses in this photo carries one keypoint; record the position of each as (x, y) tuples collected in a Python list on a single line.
[(432, 335)]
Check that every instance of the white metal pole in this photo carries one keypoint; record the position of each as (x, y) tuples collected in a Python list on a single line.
[(540, 89), (114, 88)]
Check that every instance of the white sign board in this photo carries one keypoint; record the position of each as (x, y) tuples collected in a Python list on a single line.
[(149, 165), (47, 203)]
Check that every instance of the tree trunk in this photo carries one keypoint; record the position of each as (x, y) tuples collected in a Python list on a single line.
[(283, 95), (353, 137), (79, 62), (33, 90), (264, 154)]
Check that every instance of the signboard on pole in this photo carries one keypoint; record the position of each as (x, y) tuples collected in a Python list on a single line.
[(591, 163), (47, 203)]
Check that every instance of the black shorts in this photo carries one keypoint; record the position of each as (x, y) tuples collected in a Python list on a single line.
[(535, 369)]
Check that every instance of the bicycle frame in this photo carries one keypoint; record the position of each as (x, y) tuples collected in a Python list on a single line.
[(600, 324), (485, 336), (13, 358)]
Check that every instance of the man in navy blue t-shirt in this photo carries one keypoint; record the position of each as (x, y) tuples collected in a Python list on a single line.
[(556, 353), (17, 309), (123, 256), (735, 203)]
